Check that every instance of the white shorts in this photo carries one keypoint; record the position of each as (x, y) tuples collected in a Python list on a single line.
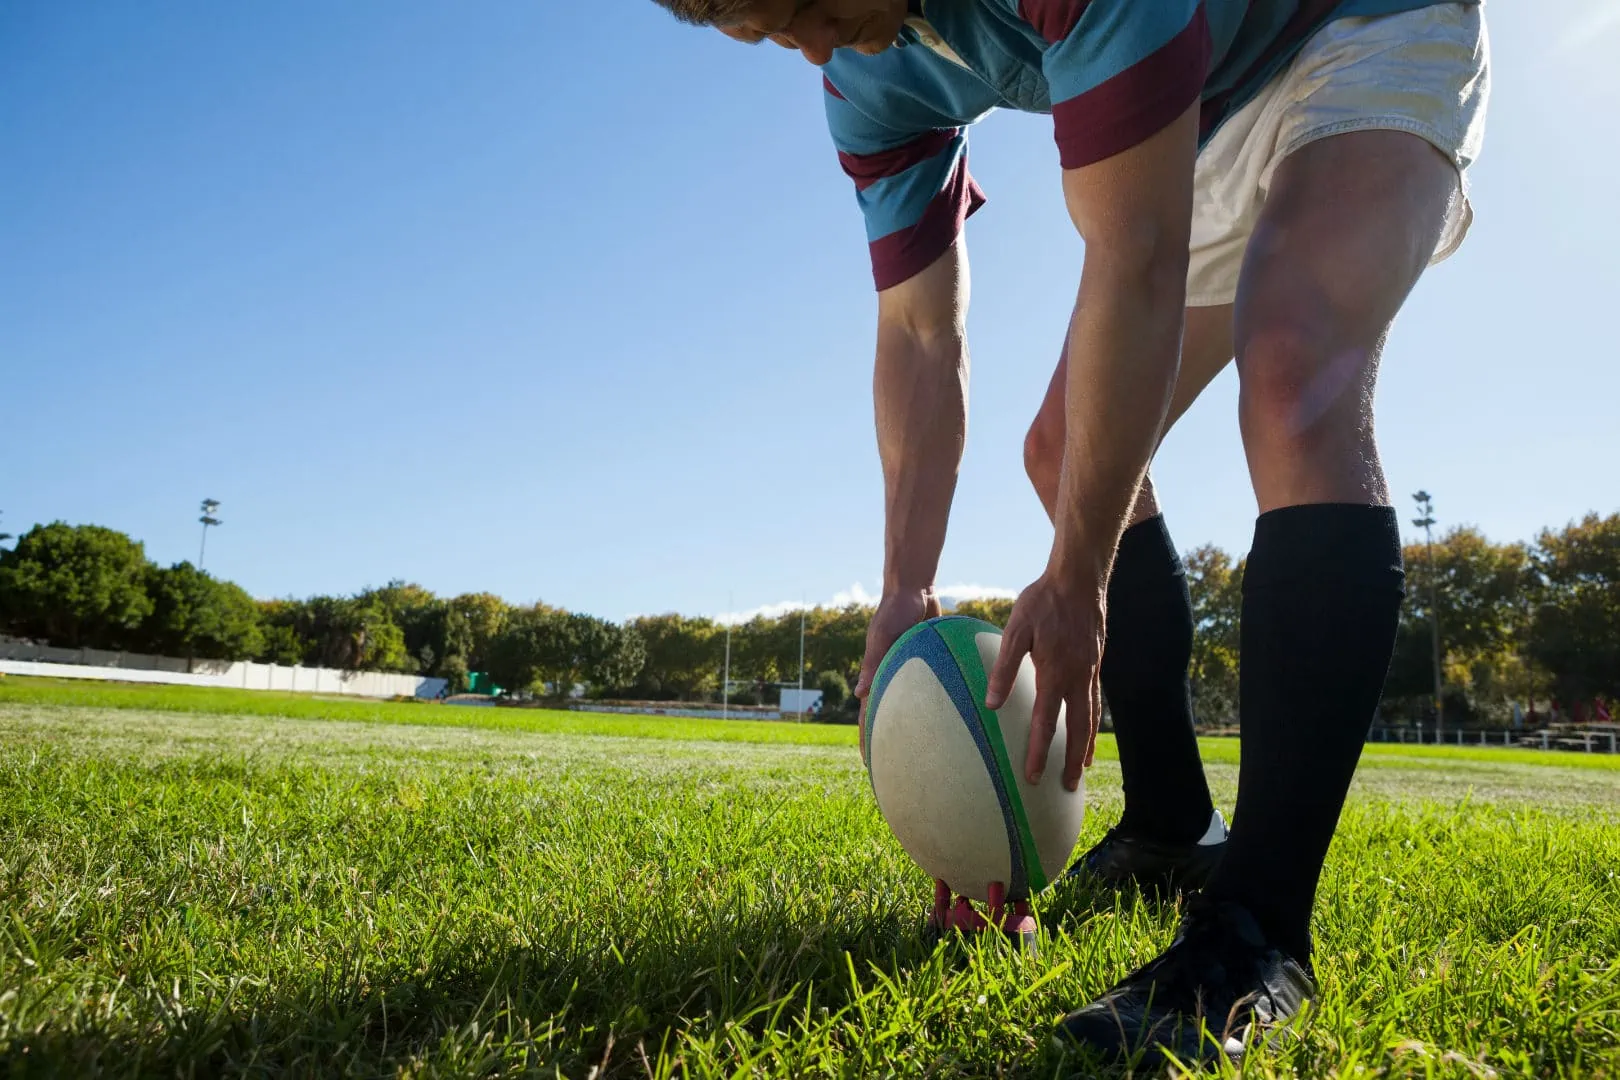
[(1425, 71)]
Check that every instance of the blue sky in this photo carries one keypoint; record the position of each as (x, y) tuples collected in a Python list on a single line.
[(569, 302)]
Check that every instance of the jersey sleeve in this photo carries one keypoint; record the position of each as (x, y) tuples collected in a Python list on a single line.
[(908, 160), (1120, 70)]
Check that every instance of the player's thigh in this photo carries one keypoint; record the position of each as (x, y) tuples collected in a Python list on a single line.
[(1349, 225), (1206, 349)]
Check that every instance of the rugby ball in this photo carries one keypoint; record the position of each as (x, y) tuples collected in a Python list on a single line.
[(948, 773)]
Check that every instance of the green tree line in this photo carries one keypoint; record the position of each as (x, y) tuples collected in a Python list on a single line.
[(1520, 622)]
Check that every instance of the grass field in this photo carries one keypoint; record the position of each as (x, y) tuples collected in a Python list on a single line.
[(205, 884), (99, 695)]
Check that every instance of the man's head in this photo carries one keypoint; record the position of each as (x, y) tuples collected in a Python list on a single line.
[(813, 27)]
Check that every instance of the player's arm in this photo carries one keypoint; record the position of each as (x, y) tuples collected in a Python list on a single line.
[(920, 395), (1126, 81), (920, 391), (1134, 211), (908, 161)]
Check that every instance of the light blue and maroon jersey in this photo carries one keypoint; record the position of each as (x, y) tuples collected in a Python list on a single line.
[(1110, 73)]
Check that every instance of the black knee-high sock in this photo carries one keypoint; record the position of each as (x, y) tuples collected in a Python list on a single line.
[(1321, 598), (1144, 675)]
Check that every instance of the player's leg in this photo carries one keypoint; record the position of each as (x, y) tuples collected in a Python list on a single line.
[(1206, 350), (1350, 223), (1169, 827), (1351, 158)]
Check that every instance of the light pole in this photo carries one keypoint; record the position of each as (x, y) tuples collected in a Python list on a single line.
[(800, 709), (725, 671), (1426, 523), (725, 679), (207, 519)]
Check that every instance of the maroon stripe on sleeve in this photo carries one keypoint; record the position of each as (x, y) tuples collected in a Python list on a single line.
[(868, 169), (1052, 19), (908, 252), (826, 84), (1302, 24), (1140, 101)]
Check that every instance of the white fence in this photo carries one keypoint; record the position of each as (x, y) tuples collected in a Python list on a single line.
[(689, 711), (22, 658), (1595, 739)]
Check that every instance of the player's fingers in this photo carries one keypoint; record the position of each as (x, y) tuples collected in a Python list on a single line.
[(1014, 647), (1077, 728), (864, 683), (1095, 722), (876, 650), (1042, 726)]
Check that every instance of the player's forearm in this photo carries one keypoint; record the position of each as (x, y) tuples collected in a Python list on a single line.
[(1124, 353), (920, 391)]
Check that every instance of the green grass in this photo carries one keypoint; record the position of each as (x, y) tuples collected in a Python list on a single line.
[(203, 893), (81, 693), (197, 699)]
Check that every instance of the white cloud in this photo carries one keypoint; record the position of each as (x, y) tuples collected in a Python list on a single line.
[(855, 594), (950, 595), (769, 611), (955, 594)]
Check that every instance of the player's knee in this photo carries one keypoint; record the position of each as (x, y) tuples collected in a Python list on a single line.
[(1301, 382), (1043, 450)]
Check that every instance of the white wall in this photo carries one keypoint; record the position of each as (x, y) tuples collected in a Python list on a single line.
[(19, 658), (703, 712), (795, 700)]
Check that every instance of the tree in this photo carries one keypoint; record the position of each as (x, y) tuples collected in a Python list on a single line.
[(450, 638), (370, 638), (348, 633), (835, 640), (1215, 582), (834, 690), (542, 649), (615, 657), (517, 656), (683, 656), (1574, 633), (74, 586), (4, 536), (1482, 590), (278, 630), (474, 621), (421, 618), (757, 651), (838, 705), (193, 615)]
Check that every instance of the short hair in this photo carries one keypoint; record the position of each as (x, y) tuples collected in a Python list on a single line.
[(706, 12)]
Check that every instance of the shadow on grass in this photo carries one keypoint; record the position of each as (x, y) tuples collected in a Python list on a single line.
[(1072, 900), (490, 997), (478, 1005)]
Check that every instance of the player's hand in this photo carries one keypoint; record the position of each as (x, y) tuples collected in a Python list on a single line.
[(896, 613), (1058, 625)]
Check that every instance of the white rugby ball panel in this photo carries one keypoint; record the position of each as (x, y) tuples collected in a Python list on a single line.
[(931, 784)]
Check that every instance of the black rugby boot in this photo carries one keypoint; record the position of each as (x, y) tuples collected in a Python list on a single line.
[(1217, 990), (1123, 857)]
